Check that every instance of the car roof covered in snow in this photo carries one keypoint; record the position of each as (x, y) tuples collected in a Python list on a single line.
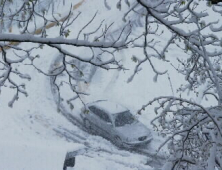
[(108, 106)]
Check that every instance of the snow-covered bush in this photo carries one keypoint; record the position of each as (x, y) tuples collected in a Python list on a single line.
[(193, 130)]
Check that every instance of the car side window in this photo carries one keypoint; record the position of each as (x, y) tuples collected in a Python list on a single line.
[(92, 109), (100, 113), (104, 116)]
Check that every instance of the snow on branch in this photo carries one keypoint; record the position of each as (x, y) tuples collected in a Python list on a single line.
[(187, 124), (33, 20)]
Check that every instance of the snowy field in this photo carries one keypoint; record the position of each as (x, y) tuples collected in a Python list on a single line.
[(34, 135)]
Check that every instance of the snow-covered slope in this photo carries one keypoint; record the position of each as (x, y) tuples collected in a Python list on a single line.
[(35, 136), (33, 128)]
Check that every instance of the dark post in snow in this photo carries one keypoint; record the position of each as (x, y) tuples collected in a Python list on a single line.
[(215, 1), (69, 160)]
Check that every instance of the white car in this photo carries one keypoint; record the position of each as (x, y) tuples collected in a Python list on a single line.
[(116, 123)]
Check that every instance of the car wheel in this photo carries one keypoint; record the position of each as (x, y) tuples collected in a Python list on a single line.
[(118, 142)]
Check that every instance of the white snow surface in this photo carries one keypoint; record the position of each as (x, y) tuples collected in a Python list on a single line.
[(28, 155), (34, 136)]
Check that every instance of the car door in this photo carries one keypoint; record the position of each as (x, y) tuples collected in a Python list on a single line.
[(101, 121), (106, 126), (94, 118)]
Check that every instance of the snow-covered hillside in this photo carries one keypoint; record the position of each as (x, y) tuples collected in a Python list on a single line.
[(34, 135)]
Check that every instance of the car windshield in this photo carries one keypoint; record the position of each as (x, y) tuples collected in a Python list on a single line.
[(124, 118)]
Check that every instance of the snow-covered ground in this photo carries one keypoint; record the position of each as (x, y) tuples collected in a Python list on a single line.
[(34, 135)]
